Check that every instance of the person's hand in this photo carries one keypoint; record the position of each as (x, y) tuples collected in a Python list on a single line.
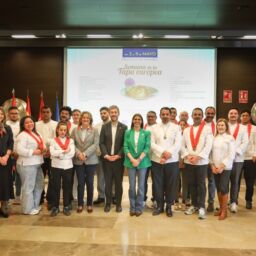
[(167, 155), (37, 152), (220, 168), (195, 159), (254, 159), (214, 169)]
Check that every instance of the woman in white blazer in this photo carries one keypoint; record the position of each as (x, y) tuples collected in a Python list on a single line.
[(62, 151), (30, 148), (221, 160)]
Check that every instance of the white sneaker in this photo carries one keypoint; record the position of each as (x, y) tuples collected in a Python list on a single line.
[(233, 208), (39, 208), (201, 214), (190, 210), (34, 212)]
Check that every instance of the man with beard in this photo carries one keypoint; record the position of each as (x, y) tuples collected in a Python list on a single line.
[(196, 147)]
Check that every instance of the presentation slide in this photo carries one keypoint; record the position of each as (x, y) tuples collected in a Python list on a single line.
[(139, 79)]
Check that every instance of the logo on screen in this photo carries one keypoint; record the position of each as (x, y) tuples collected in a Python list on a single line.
[(140, 52)]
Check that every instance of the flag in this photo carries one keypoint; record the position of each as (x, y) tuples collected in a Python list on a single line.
[(41, 106), (57, 110), (14, 102), (28, 107)]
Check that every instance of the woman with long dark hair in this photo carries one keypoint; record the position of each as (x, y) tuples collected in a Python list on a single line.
[(6, 147), (30, 148)]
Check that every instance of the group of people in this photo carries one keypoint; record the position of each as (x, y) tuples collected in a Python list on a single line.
[(179, 156)]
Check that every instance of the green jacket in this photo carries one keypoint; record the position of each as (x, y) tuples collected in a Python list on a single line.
[(144, 142)]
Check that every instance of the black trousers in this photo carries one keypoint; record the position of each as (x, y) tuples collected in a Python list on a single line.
[(113, 171), (61, 178), (250, 177), (46, 167), (164, 182), (196, 181)]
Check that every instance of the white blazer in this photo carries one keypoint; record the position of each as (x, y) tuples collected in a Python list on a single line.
[(60, 159), (241, 142), (159, 144), (203, 148), (223, 151), (251, 148), (25, 147)]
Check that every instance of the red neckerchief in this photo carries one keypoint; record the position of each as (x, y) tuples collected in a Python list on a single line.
[(37, 138), (145, 126), (194, 140), (213, 127), (249, 129), (236, 131), (69, 125), (62, 146)]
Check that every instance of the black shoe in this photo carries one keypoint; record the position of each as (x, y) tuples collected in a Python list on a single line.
[(5, 214), (138, 213), (210, 207), (169, 211), (114, 200), (107, 208), (132, 213), (66, 211), (119, 208), (49, 206), (157, 211), (55, 211), (248, 205), (99, 201)]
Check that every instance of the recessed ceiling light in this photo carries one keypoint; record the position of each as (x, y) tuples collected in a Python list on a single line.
[(213, 37), (176, 36), (99, 36), (249, 37), (60, 36), (24, 36), (138, 36)]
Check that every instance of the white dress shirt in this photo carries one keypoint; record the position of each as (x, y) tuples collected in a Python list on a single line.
[(113, 130), (241, 141), (15, 126), (47, 130), (251, 148), (223, 151), (60, 159), (203, 148), (165, 137), (25, 148)]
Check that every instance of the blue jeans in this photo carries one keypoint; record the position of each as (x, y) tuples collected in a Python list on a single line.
[(85, 175), (136, 199), (32, 183)]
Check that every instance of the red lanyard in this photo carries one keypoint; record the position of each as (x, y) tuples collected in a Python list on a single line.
[(69, 125), (236, 131), (249, 129), (38, 139), (63, 146), (194, 140)]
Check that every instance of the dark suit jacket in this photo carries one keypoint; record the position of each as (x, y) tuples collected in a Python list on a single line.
[(106, 139)]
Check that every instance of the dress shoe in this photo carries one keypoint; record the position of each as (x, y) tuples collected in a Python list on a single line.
[(210, 207), (248, 205), (54, 211), (49, 206), (132, 213), (99, 201), (138, 213), (107, 208), (169, 211), (157, 211), (79, 209), (89, 209), (4, 213), (118, 208), (66, 211)]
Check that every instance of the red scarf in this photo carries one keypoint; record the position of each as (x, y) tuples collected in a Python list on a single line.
[(69, 125), (37, 138), (249, 129), (62, 146), (194, 140), (236, 131)]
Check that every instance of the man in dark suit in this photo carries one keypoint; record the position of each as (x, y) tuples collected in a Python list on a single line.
[(111, 146)]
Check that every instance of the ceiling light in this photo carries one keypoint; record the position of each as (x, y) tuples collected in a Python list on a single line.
[(213, 37), (249, 37), (24, 36), (99, 36), (139, 36), (61, 36), (176, 36)]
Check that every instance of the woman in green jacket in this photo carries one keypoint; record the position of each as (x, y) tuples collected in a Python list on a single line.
[(136, 148)]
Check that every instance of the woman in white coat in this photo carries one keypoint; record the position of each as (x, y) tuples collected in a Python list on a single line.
[(221, 160), (30, 148)]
